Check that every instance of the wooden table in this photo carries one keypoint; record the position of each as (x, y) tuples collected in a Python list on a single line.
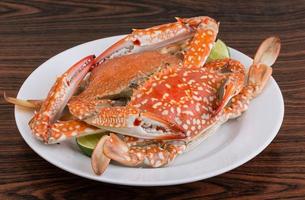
[(33, 31)]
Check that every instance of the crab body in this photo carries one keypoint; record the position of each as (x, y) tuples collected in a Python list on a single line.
[(178, 101), (115, 79)]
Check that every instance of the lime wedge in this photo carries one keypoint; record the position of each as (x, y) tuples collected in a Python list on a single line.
[(219, 51), (87, 143)]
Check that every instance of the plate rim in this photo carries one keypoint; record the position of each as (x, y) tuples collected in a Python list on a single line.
[(240, 162)]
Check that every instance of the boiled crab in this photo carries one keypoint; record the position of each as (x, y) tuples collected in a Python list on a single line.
[(171, 106), (129, 62), (188, 99)]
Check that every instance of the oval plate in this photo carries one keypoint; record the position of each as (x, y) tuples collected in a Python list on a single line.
[(235, 143)]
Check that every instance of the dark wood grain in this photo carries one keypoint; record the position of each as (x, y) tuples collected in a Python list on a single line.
[(33, 31)]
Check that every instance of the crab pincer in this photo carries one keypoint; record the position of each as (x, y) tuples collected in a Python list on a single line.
[(43, 123)]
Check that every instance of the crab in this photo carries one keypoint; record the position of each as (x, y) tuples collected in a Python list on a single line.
[(155, 100), (190, 99), (115, 75)]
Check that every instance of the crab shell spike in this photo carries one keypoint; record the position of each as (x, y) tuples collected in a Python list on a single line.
[(128, 121), (268, 51), (99, 161), (58, 96)]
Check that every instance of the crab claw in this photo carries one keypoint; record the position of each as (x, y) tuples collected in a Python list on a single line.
[(58, 97), (131, 151), (268, 51), (117, 150), (156, 37), (130, 121), (99, 161)]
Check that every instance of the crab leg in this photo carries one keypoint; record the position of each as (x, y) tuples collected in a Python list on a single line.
[(36, 103), (259, 74), (58, 97), (61, 130), (162, 35), (235, 76), (32, 104), (202, 42), (134, 152), (67, 127)]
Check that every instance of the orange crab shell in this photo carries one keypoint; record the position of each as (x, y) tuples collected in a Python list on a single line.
[(105, 80), (186, 96)]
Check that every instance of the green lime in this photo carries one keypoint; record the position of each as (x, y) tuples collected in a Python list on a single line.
[(219, 51), (87, 143)]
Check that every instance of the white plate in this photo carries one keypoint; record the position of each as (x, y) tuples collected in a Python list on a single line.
[(233, 144)]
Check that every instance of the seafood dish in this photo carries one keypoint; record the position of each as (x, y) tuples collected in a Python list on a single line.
[(155, 92)]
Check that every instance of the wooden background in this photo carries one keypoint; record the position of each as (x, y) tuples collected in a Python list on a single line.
[(33, 31)]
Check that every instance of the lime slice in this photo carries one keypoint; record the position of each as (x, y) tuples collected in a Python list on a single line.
[(87, 143), (219, 51)]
